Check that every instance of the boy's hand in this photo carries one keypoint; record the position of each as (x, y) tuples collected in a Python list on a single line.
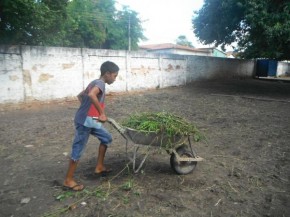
[(102, 118)]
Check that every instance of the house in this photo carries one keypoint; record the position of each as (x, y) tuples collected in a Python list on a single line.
[(231, 54), (169, 48), (215, 52)]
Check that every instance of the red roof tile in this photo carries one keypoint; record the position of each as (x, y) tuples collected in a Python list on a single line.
[(170, 46)]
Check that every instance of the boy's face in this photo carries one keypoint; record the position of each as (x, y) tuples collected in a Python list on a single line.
[(111, 77)]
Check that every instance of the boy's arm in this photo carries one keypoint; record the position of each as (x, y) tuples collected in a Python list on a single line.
[(80, 96), (93, 96)]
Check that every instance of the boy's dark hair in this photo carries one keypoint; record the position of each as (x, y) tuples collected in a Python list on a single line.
[(110, 67)]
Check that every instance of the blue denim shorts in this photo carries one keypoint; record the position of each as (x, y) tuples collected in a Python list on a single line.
[(82, 134)]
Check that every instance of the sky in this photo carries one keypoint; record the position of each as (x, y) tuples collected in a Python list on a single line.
[(165, 20)]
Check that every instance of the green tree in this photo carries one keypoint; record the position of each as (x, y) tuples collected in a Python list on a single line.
[(88, 22), (126, 29), (73, 23), (182, 40), (56, 16), (260, 28), (97, 24), (31, 22)]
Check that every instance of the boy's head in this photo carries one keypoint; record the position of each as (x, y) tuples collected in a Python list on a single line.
[(109, 72)]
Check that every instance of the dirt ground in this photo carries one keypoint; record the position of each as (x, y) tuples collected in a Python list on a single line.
[(245, 171)]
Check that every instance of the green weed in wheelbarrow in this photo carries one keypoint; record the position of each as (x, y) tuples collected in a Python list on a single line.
[(168, 131)]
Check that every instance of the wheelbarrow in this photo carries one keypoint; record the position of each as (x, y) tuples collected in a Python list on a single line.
[(183, 158)]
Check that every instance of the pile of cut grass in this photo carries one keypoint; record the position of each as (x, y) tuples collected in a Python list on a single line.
[(169, 124)]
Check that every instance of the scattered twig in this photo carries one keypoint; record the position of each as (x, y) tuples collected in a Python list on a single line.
[(182, 180), (208, 188), (126, 167), (233, 188), (116, 206), (218, 202)]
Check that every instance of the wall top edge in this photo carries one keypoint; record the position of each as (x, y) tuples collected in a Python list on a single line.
[(10, 49)]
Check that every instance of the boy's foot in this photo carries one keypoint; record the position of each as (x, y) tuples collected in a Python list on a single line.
[(72, 186), (104, 170), (76, 187)]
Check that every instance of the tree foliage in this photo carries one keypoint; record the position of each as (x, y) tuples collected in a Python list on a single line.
[(260, 28), (76, 23), (126, 26), (182, 40), (31, 22)]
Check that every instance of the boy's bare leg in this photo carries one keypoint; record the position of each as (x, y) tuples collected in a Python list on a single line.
[(69, 181), (100, 162)]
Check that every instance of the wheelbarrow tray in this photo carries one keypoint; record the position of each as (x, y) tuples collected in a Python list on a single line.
[(154, 138), (183, 160)]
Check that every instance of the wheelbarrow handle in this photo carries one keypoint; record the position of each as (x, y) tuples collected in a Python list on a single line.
[(117, 126)]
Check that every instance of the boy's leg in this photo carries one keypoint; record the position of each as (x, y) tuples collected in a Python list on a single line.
[(105, 138), (81, 138), (69, 181), (100, 167)]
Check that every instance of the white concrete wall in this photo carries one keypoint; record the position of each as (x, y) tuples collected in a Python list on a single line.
[(218, 68), (180, 52), (92, 61), (144, 72), (173, 71), (11, 77), (283, 69), (30, 73), (51, 73)]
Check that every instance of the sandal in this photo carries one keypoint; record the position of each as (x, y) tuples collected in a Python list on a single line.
[(103, 173), (76, 187)]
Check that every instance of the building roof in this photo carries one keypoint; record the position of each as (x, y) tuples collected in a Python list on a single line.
[(170, 46), (211, 49)]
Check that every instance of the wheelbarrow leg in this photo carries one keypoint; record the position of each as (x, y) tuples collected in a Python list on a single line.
[(142, 162), (134, 157), (122, 131), (190, 146)]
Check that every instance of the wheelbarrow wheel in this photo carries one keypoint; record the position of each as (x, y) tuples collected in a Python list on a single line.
[(182, 167)]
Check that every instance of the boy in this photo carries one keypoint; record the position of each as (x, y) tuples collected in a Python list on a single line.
[(88, 120)]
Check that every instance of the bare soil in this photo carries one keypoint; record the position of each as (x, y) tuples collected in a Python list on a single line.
[(245, 172)]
